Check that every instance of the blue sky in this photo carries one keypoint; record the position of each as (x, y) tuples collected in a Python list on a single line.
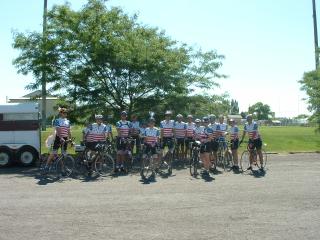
[(268, 45)]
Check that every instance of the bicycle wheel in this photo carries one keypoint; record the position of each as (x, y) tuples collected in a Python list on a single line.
[(67, 166), (104, 165), (265, 158), (147, 171), (228, 160), (194, 164), (245, 160), (166, 164)]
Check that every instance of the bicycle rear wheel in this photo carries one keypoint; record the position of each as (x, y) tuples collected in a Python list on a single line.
[(245, 160), (265, 158), (104, 165), (147, 171)]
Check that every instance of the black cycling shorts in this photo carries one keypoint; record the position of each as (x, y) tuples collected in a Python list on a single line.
[(205, 147), (167, 141), (151, 149), (57, 144), (180, 141), (214, 145), (121, 144), (187, 142), (92, 145), (255, 143), (234, 144)]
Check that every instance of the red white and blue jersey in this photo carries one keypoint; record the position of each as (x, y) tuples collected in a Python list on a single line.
[(151, 136), (167, 128), (190, 130), (215, 130), (62, 126), (180, 129), (222, 128), (96, 132), (234, 132), (124, 128), (135, 128), (252, 130), (208, 132), (198, 133)]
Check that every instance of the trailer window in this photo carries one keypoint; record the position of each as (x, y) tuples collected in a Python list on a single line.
[(20, 116)]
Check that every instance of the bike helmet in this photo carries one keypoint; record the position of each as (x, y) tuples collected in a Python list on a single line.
[(124, 113), (197, 120), (189, 116), (98, 116), (205, 119), (179, 116), (168, 112), (152, 120)]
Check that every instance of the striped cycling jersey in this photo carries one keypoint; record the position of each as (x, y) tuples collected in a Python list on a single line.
[(208, 131), (190, 130), (167, 128), (96, 132), (222, 128), (252, 130), (198, 133), (215, 131), (151, 135), (135, 128), (234, 133), (180, 129), (62, 126), (124, 128)]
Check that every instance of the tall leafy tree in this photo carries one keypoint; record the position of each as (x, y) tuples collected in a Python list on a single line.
[(234, 107), (99, 57), (310, 83), (261, 111)]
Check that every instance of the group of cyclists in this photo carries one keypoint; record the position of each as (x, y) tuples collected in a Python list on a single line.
[(174, 135)]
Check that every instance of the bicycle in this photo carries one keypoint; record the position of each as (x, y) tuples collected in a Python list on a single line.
[(149, 166), (245, 158), (194, 163), (129, 164), (166, 161), (62, 164), (224, 156)]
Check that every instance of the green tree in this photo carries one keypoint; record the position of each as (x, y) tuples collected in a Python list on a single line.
[(234, 108), (103, 58), (261, 111), (311, 85)]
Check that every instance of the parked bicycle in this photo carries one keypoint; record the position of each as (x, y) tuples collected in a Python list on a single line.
[(62, 164), (245, 158), (150, 165), (194, 163), (224, 157)]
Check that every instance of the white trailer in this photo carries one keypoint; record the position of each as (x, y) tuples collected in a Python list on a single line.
[(19, 133)]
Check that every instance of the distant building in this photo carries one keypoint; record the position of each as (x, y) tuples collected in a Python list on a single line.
[(237, 118), (36, 97)]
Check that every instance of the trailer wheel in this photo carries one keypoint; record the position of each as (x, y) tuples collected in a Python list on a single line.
[(5, 156), (27, 156)]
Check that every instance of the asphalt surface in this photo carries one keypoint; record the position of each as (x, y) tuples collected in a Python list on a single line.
[(282, 204)]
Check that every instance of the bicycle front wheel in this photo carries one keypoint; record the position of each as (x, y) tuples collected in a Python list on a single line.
[(194, 165), (245, 160), (228, 160), (68, 166), (104, 166), (147, 171), (166, 164)]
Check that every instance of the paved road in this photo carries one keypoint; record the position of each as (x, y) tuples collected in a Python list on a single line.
[(282, 204)]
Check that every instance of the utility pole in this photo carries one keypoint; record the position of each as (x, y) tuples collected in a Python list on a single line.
[(315, 30), (44, 74)]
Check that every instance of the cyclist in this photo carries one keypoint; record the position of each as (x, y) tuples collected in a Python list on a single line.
[(214, 143), (166, 132), (255, 141), (222, 129), (62, 133), (206, 136), (151, 137), (94, 134), (123, 128), (135, 132), (234, 143), (180, 134), (189, 135)]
